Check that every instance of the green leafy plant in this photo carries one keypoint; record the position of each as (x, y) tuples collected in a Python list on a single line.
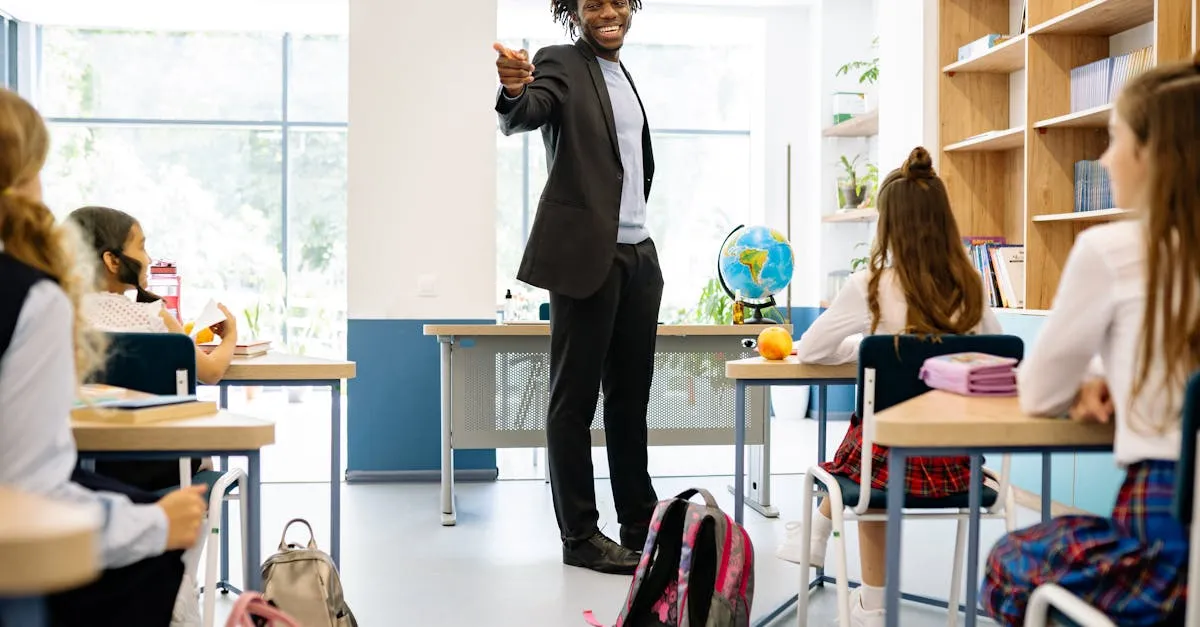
[(850, 166), (253, 319), (870, 69), (858, 263), (868, 185)]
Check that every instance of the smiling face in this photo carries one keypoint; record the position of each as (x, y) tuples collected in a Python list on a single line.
[(603, 23), (1127, 162)]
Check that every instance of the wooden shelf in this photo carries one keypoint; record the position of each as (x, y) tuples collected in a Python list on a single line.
[(862, 125), (852, 215), (995, 141), (1099, 215), (1099, 17), (1096, 117), (1005, 58)]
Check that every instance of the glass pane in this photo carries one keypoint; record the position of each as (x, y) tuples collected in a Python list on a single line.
[(694, 87), (701, 191), (319, 78), (103, 74), (317, 243), (208, 199)]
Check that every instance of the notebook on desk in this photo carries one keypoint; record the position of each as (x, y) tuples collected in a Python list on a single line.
[(243, 349), (110, 404)]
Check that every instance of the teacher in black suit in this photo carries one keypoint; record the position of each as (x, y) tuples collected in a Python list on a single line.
[(590, 249)]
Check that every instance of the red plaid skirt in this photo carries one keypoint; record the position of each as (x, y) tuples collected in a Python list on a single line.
[(931, 477)]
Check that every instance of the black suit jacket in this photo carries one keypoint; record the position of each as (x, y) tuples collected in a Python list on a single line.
[(574, 235)]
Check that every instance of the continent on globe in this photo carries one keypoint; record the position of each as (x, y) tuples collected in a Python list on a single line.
[(754, 259)]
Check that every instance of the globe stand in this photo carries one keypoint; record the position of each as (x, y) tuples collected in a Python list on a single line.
[(757, 317)]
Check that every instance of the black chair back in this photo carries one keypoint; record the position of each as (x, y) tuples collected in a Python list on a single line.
[(148, 362)]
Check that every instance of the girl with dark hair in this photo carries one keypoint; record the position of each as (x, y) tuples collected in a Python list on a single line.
[(919, 281), (123, 266)]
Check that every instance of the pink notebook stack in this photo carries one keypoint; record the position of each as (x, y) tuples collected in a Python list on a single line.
[(971, 374)]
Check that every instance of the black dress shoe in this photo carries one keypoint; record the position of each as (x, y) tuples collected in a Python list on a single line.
[(601, 554), (633, 537)]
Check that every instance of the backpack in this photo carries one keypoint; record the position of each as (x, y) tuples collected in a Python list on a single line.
[(304, 582), (697, 569)]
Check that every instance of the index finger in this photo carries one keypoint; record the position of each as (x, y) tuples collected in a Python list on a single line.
[(504, 51)]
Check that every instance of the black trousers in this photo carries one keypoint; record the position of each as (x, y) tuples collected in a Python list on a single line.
[(605, 340), (141, 594)]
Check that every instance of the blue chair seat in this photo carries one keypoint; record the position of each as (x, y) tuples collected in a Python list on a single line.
[(208, 478), (850, 492)]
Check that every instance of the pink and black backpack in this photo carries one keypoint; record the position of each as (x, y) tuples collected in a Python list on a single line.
[(697, 569)]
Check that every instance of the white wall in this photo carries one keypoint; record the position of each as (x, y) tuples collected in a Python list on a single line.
[(422, 159), (303, 16), (908, 76)]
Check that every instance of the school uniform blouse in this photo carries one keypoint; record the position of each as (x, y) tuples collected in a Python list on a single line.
[(37, 449), (1098, 311), (834, 337), (117, 313)]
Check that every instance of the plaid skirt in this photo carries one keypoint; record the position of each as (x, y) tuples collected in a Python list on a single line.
[(931, 477), (1132, 567)]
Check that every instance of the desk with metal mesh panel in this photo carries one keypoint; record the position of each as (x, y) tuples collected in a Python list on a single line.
[(495, 394)]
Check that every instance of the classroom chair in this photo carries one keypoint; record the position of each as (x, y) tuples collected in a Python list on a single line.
[(888, 374), (1051, 604), (165, 363)]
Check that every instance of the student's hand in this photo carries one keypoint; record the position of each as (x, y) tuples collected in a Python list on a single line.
[(514, 69), (227, 328), (1093, 402), (184, 509)]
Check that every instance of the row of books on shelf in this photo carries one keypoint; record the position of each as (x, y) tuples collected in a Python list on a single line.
[(1098, 83), (1002, 267), (1093, 189)]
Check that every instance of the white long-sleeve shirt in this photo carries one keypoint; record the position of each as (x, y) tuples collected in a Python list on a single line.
[(1098, 310), (834, 336), (37, 449)]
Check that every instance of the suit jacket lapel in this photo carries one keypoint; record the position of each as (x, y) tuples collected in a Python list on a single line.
[(602, 91)]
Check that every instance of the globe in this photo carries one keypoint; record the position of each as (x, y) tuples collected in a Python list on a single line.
[(754, 264)]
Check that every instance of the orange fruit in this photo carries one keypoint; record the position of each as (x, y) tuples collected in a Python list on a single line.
[(206, 335), (774, 343), (187, 328)]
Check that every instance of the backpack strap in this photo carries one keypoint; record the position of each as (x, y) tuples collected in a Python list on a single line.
[(687, 495), (702, 579), (664, 561), (312, 538)]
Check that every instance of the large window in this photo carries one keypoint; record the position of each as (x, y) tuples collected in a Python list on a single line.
[(229, 148), (699, 101)]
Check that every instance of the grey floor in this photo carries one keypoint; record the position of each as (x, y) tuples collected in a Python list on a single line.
[(501, 565)]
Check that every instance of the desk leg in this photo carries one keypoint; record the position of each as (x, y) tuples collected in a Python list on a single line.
[(1046, 476), (24, 612), (253, 524), (335, 474), (974, 503), (739, 449), (895, 510), (758, 488), (448, 515), (223, 579), (822, 431)]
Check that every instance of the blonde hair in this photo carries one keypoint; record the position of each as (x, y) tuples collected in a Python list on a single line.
[(28, 228), (919, 238), (1160, 108)]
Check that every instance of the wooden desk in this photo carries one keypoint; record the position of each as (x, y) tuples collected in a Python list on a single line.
[(223, 434), (45, 547), (495, 394), (285, 370), (940, 423)]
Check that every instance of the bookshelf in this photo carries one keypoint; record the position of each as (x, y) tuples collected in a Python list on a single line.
[(1009, 137)]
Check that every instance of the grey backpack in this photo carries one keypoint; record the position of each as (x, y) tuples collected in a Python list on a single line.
[(304, 582)]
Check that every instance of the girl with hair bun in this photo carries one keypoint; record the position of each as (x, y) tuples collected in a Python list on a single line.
[(1129, 293), (919, 281)]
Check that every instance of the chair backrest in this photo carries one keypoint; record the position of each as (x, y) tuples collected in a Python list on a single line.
[(897, 360), (149, 362), (1185, 472)]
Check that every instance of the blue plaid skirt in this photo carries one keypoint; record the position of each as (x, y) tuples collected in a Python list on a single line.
[(1132, 566)]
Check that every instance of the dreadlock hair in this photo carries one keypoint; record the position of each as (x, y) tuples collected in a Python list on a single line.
[(564, 10)]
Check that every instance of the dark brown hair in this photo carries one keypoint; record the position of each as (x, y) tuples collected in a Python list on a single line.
[(1161, 107), (919, 240)]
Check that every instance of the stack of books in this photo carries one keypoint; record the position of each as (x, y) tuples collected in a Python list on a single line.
[(1002, 267), (1093, 189), (250, 348), (97, 402), (1098, 83)]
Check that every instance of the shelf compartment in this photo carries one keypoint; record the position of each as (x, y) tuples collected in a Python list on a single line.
[(853, 215), (863, 125), (1099, 17), (1098, 215), (1005, 58), (1096, 117), (994, 141)]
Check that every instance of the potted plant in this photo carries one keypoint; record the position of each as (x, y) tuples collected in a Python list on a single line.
[(253, 316), (869, 184), (870, 69), (858, 263), (849, 190)]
